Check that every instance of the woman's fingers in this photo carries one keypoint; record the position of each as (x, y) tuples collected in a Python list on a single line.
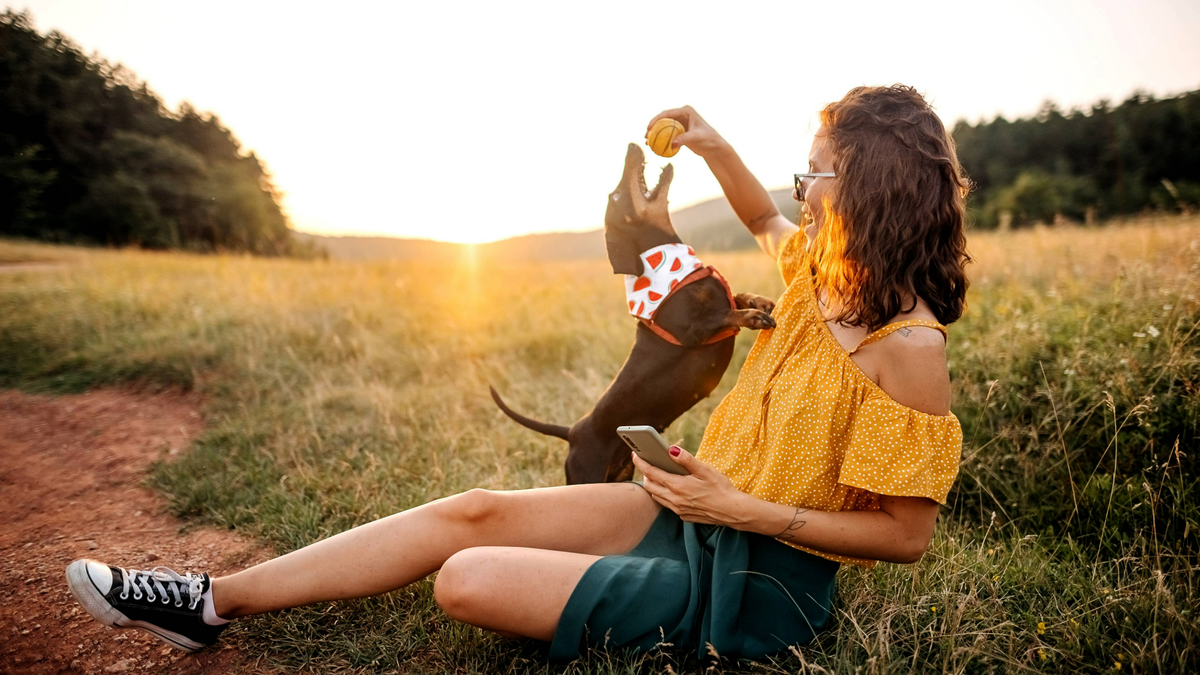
[(687, 460), (649, 470), (697, 468), (668, 481), (682, 115), (683, 139), (667, 498), (660, 494), (653, 488)]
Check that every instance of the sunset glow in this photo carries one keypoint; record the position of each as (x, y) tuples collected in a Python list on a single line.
[(478, 122)]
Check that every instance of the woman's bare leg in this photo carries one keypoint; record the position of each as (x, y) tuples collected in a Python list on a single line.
[(512, 591), (397, 550)]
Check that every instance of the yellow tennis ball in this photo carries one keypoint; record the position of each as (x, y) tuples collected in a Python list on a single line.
[(660, 136)]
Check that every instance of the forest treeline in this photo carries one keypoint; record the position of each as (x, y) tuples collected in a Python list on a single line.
[(89, 154), (1084, 164)]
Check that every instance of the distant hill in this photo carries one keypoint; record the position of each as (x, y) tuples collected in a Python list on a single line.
[(713, 226), (548, 246), (708, 226)]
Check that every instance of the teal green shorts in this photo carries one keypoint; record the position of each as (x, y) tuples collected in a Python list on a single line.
[(687, 586)]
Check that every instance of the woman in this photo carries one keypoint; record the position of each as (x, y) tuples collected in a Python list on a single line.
[(836, 445)]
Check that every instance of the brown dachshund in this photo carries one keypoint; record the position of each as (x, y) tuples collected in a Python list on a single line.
[(679, 355)]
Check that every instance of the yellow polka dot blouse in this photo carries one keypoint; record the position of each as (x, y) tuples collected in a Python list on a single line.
[(804, 426)]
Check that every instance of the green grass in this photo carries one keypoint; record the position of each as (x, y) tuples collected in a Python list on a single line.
[(339, 392)]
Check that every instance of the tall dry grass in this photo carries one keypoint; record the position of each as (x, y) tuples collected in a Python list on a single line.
[(341, 392)]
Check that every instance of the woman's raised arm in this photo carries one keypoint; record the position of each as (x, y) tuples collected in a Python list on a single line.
[(750, 201)]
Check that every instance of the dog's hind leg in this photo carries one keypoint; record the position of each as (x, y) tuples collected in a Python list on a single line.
[(622, 474)]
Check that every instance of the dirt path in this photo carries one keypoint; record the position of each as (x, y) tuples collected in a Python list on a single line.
[(71, 469)]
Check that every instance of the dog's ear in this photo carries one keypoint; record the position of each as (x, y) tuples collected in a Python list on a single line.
[(622, 254)]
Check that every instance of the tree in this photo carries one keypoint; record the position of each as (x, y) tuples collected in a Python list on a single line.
[(1114, 160), (88, 153)]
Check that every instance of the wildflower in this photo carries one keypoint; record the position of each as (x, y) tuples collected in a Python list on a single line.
[(1042, 654), (991, 551), (996, 578), (1117, 665), (933, 609), (1139, 334), (1153, 331), (1041, 628)]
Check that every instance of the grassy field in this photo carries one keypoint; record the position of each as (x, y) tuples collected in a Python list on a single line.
[(340, 392)]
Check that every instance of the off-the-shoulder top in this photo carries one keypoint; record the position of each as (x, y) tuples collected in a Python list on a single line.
[(804, 426)]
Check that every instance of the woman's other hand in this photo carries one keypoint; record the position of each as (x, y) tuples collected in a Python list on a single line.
[(698, 135), (706, 496), (899, 531)]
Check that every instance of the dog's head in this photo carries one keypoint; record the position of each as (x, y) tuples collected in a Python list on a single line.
[(637, 218)]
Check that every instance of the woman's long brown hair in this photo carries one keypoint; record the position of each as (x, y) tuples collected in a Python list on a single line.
[(893, 227)]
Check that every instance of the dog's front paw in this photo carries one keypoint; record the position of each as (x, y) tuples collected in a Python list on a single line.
[(755, 319), (752, 301), (762, 319)]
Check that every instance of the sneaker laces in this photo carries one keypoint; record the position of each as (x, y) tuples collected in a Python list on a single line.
[(162, 579)]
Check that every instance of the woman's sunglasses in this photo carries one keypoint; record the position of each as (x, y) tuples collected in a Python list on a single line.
[(800, 177)]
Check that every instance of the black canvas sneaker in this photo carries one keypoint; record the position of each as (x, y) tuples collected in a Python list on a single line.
[(159, 601)]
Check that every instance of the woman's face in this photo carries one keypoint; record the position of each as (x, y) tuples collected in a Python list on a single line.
[(816, 190)]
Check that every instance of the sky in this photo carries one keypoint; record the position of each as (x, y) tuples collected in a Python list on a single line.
[(472, 122)]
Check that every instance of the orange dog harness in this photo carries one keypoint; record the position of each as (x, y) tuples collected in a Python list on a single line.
[(666, 269)]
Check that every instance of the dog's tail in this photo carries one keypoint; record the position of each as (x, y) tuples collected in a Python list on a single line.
[(540, 427)]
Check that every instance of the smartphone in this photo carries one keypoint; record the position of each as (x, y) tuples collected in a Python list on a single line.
[(646, 442)]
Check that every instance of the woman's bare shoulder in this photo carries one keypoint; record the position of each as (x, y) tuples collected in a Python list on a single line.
[(913, 371)]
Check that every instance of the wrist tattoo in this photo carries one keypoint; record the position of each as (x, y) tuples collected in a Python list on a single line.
[(793, 526)]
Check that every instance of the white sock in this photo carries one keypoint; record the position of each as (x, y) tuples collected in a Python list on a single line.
[(209, 614)]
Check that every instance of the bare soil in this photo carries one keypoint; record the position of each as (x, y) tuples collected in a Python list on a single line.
[(71, 474)]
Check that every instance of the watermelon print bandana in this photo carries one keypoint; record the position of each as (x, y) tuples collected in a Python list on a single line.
[(664, 268)]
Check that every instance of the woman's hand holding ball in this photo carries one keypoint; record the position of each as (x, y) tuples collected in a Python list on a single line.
[(661, 134), (689, 129)]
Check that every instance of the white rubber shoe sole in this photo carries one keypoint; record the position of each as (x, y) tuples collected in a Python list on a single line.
[(93, 601)]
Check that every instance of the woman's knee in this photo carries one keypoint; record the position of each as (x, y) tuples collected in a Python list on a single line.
[(459, 586), (474, 507)]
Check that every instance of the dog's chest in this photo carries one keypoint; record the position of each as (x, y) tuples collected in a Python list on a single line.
[(664, 267)]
